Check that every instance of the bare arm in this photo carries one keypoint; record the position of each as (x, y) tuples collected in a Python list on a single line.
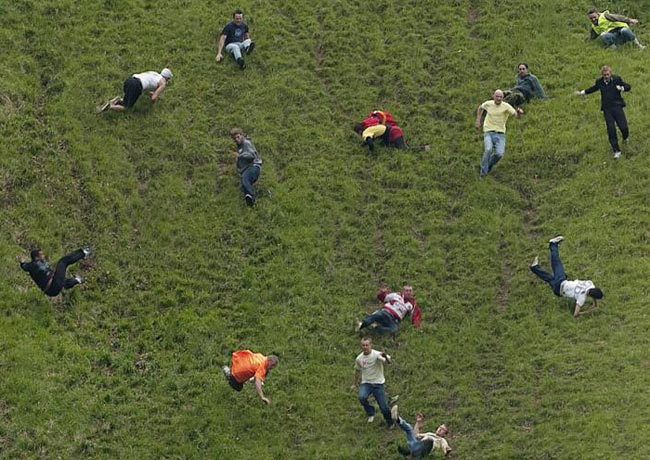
[(357, 379), (222, 41), (258, 387), (479, 116), (159, 89)]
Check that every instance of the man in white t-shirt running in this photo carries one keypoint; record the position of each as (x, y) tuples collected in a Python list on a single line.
[(369, 375), (496, 112), (135, 85), (577, 289)]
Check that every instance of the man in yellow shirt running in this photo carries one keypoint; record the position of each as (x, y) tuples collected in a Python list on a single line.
[(496, 113)]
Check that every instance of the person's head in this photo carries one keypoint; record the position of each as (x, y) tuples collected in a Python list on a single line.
[(498, 97), (358, 128), (407, 292), (595, 293), (36, 254), (238, 16), (606, 72), (166, 74), (442, 430), (522, 69), (366, 345), (272, 361), (237, 135), (593, 14)]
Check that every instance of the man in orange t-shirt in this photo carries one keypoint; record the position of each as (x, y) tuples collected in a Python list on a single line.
[(247, 365)]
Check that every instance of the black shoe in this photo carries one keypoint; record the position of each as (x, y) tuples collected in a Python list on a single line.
[(251, 48), (241, 63), (250, 201)]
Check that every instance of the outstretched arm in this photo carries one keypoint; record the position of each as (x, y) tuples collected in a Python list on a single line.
[(479, 116), (258, 387), (159, 89), (222, 41), (357, 379)]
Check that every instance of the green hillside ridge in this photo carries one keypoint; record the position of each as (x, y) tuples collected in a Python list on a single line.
[(128, 365)]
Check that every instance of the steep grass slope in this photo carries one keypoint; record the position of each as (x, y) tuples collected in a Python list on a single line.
[(128, 366)]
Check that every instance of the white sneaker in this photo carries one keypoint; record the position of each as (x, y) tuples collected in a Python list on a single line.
[(394, 413), (557, 239), (535, 262), (226, 371), (86, 250), (371, 419), (617, 155), (79, 279)]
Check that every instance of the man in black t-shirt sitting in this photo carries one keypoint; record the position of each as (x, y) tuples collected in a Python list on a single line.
[(234, 37)]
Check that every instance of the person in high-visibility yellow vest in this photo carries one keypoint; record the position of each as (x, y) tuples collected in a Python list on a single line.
[(612, 29)]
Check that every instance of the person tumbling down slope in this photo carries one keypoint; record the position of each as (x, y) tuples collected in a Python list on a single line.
[(577, 289), (380, 124), (236, 39), (135, 85), (612, 29), (247, 365), (397, 305), (52, 282), (420, 444)]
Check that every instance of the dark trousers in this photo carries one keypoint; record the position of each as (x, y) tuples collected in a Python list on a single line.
[(558, 276), (615, 116), (386, 322), (132, 91), (59, 281), (248, 178), (234, 384)]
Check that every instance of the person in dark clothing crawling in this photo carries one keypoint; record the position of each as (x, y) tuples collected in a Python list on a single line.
[(52, 282)]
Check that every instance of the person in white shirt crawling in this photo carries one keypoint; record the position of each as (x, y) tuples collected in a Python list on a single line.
[(578, 290), (135, 85), (369, 375)]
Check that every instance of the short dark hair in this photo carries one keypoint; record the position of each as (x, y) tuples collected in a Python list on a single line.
[(595, 293), (357, 128), (35, 253), (592, 10), (237, 11), (522, 63)]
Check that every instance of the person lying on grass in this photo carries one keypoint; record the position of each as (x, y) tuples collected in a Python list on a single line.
[(420, 444), (578, 290), (397, 305), (52, 282), (381, 125)]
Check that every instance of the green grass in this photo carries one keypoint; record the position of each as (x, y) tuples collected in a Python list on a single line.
[(128, 366)]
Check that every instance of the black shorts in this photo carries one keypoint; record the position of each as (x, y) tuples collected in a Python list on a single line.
[(132, 91)]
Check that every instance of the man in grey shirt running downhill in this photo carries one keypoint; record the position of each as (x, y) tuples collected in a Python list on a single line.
[(249, 164)]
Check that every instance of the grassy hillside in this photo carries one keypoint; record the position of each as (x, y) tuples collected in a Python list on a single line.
[(128, 365)]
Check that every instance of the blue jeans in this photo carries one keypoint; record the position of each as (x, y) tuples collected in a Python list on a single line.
[(492, 140), (618, 36), (417, 447), (554, 280), (377, 390), (386, 323), (236, 48), (248, 178)]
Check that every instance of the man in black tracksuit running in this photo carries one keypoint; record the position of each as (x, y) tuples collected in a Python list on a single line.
[(611, 103)]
